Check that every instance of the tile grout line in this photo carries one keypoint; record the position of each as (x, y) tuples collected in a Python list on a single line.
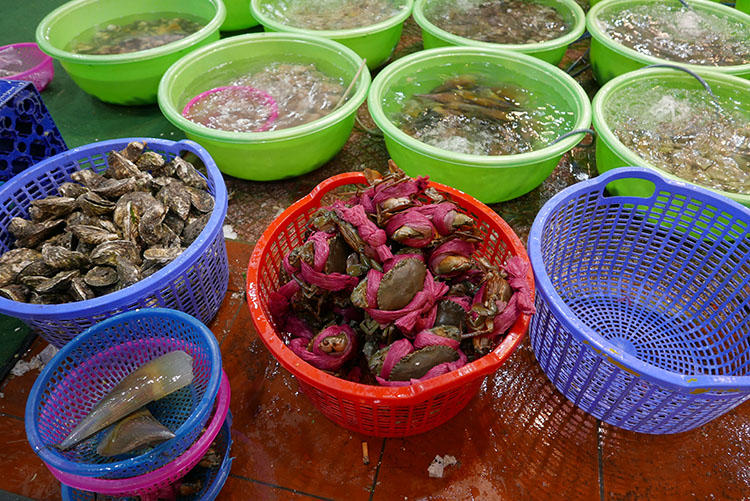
[(280, 487), (377, 470), (231, 322), (600, 458)]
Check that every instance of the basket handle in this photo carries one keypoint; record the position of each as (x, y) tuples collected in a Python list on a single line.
[(640, 173)]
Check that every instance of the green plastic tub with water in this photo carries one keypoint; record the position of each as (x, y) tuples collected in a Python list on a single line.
[(731, 92), (489, 177), (373, 42), (551, 51), (129, 78), (239, 16), (611, 58), (271, 154)]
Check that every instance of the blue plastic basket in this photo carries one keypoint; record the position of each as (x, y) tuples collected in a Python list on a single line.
[(643, 304), (27, 132), (195, 282), (213, 481), (86, 369)]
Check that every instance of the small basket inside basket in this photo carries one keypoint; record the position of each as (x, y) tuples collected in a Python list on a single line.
[(83, 372)]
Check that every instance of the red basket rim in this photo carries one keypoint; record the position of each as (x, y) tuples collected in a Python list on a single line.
[(318, 378)]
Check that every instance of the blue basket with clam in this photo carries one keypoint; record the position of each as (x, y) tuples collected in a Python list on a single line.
[(163, 362)]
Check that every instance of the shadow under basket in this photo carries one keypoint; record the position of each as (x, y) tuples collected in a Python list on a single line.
[(643, 304)]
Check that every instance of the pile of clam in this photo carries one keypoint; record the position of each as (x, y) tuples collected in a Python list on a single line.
[(387, 289), (105, 231)]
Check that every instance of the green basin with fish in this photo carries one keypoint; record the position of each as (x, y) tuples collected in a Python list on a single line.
[(130, 78), (610, 58), (269, 155), (490, 178), (612, 153), (239, 16), (551, 51), (375, 42)]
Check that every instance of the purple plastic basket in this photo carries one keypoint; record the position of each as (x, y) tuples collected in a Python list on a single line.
[(195, 282), (643, 304)]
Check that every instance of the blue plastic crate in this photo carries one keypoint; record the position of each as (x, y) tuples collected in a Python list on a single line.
[(643, 304), (27, 132)]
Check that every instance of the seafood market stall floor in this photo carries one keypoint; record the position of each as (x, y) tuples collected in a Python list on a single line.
[(518, 439)]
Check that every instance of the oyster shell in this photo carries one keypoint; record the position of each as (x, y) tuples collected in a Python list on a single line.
[(32, 234), (194, 228), (15, 292), (176, 196), (201, 200), (79, 290), (94, 205), (151, 161), (189, 174), (120, 167), (51, 208), (87, 178), (58, 283), (107, 253), (101, 276), (127, 272), (72, 190), (92, 235), (133, 150), (14, 261), (161, 255), (114, 188), (61, 258)]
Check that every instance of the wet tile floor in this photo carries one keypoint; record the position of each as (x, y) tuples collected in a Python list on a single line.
[(519, 438)]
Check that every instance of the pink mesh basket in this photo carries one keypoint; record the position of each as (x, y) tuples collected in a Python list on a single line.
[(148, 485)]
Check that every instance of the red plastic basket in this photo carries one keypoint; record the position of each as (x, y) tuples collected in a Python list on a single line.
[(377, 410)]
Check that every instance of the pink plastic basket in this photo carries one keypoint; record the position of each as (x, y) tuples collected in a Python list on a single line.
[(148, 485), (40, 69)]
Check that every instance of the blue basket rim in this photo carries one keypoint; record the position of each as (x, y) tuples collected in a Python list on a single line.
[(697, 383), (132, 293), (55, 459), (221, 477)]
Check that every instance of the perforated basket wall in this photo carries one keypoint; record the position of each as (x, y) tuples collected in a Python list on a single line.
[(195, 282), (643, 304), (212, 480), (89, 367), (377, 410), (27, 132)]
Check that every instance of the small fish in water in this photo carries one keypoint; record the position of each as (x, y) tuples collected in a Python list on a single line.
[(140, 429), (151, 381)]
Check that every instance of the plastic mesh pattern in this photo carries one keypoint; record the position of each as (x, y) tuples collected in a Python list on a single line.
[(195, 282), (644, 303), (375, 410), (80, 376), (27, 132)]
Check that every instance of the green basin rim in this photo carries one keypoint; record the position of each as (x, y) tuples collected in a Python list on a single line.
[(361, 31), (183, 66), (482, 161), (579, 26), (601, 36), (623, 81)]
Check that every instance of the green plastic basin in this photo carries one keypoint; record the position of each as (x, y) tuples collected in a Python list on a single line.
[(375, 43), (743, 6), (131, 78), (610, 59), (270, 155), (489, 178), (238, 16), (611, 153), (551, 51)]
